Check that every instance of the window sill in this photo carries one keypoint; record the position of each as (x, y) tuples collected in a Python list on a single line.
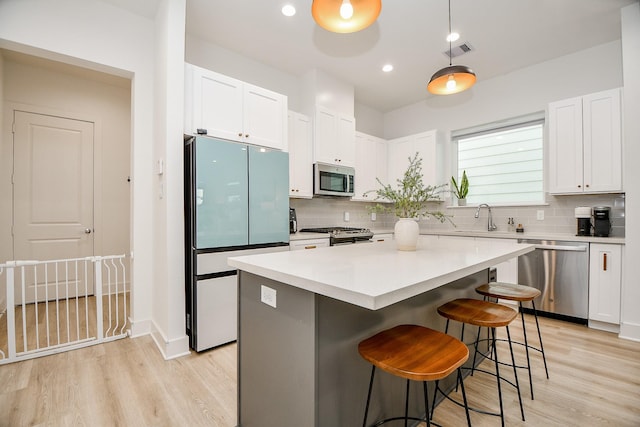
[(501, 205)]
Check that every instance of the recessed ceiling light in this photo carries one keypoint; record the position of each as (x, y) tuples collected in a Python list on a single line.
[(387, 68), (453, 37), (288, 10)]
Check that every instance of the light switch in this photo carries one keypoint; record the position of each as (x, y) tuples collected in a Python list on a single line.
[(346, 217), (540, 215)]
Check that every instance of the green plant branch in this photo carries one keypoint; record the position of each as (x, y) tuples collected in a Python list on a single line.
[(411, 196)]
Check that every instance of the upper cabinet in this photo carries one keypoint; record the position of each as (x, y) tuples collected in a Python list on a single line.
[(429, 146), (370, 164), (231, 109), (334, 138), (585, 144), (300, 156)]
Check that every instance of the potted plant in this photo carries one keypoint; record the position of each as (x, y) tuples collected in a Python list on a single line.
[(410, 201), (461, 191)]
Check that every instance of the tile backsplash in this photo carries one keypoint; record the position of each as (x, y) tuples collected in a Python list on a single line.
[(558, 213)]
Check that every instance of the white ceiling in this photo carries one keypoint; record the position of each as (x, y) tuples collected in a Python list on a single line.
[(410, 34)]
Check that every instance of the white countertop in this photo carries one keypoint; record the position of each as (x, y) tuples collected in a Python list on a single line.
[(375, 275)]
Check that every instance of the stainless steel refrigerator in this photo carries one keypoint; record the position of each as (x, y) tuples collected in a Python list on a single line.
[(236, 203)]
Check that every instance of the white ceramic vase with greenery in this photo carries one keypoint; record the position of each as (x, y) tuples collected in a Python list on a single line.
[(410, 200)]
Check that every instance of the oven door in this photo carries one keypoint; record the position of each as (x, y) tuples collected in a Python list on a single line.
[(331, 180)]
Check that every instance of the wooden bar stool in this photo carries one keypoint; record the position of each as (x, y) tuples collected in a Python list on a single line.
[(519, 293), (485, 314), (414, 353)]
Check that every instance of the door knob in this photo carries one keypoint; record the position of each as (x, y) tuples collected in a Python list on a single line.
[(87, 231)]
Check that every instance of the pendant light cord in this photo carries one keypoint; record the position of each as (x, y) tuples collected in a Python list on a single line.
[(449, 37)]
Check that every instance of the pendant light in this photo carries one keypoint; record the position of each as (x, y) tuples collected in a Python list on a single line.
[(451, 79), (345, 16)]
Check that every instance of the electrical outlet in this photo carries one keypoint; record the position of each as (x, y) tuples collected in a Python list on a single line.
[(346, 217), (540, 215), (268, 295), (373, 216)]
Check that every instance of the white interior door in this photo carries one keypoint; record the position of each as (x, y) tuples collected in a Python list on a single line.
[(52, 196)]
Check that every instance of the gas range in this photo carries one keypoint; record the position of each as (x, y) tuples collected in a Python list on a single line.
[(343, 235)]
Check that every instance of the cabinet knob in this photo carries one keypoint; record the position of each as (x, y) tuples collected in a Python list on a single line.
[(587, 185), (240, 134), (579, 186)]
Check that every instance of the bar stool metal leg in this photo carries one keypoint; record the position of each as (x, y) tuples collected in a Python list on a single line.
[(544, 358), (515, 372), (366, 409), (526, 348)]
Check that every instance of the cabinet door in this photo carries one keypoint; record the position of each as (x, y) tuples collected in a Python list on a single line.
[(602, 141), (264, 114), (565, 146), (399, 152), (334, 138), (300, 156), (346, 141), (298, 245), (605, 275), (426, 145), (325, 134), (365, 168), (217, 104)]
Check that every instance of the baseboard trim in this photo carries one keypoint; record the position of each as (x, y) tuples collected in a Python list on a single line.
[(139, 328), (170, 349), (630, 331)]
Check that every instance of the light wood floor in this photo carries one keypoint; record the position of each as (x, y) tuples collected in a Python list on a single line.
[(594, 381)]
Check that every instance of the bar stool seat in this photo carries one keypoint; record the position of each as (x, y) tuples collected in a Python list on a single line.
[(415, 353), (519, 293), (485, 314)]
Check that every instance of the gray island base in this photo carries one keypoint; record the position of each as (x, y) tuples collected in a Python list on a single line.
[(298, 362)]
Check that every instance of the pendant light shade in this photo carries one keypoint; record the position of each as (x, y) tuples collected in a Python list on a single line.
[(345, 16), (451, 79)]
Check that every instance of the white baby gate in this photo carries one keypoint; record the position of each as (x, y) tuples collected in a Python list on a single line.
[(61, 305)]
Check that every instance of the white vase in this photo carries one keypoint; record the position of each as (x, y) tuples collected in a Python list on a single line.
[(406, 234)]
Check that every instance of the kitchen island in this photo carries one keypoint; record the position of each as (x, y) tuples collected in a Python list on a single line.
[(302, 314)]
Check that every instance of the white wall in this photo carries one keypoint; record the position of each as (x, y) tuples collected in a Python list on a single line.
[(99, 36), (168, 308), (518, 93), (369, 120), (630, 327)]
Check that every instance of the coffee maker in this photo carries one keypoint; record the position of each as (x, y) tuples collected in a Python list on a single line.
[(293, 221), (583, 218), (601, 221)]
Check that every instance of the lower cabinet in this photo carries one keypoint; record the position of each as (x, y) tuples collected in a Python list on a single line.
[(605, 279), (298, 245)]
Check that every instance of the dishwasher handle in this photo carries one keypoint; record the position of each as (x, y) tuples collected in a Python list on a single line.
[(581, 248)]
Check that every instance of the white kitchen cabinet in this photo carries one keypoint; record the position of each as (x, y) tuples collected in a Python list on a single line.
[(228, 108), (605, 278), (300, 156), (334, 138), (370, 164), (585, 144), (429, 145), (298, 245)]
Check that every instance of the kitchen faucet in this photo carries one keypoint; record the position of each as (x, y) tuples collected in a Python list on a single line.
[(490, 225)]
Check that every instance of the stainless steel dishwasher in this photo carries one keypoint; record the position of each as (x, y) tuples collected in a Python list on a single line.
[(560, 270)]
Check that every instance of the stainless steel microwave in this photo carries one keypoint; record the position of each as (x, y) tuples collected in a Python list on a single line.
[(333, 180)]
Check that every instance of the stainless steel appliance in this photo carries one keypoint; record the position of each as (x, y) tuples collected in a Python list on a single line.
[(601, 221), (293, 221), (236, 203), (343, 235), (332, 180), (560, 270)]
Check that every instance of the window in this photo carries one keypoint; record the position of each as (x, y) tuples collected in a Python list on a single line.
[(504, 164)]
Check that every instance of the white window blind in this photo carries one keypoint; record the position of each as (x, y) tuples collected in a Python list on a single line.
[(503, 165)]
